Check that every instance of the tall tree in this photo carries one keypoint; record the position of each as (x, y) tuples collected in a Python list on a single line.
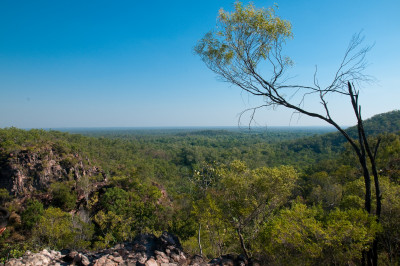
[(246, 50)]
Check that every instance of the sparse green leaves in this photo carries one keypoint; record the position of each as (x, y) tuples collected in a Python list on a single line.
[(243, 38)]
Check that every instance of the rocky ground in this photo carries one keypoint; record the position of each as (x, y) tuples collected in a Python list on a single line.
[(146, 250)]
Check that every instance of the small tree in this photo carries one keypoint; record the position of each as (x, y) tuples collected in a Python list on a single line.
[(246, 197), (202, 180), (241, 201), (248, 43), (54, 229)]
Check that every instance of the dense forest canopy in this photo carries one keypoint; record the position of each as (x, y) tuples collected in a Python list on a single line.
[(293, 195)]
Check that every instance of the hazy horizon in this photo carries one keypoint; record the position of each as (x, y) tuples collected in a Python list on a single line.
[(184, 127)]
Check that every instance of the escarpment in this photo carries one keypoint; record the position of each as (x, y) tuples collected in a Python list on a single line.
[(30, 169)]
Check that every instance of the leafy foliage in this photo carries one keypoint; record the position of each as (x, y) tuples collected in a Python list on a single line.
[(243, 37), (220, 183), (309, 236), (62, 196), (32, 214)]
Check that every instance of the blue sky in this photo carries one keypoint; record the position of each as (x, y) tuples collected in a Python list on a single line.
[(131, 63)]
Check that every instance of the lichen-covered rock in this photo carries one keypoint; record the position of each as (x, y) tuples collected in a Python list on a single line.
[(145, 250)]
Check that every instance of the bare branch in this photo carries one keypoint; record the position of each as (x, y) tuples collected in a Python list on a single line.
[(252, 115)]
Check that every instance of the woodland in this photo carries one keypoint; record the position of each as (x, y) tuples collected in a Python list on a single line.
[(288, 196), (282, 197)]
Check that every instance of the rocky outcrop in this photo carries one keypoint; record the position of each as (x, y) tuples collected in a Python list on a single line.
[(44, 257), (144, 250), (24, 171)]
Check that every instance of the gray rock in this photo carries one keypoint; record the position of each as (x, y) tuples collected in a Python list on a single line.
[(145, 250), (151, 262)]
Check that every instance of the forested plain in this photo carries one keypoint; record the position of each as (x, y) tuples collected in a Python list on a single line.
[(281, 196)]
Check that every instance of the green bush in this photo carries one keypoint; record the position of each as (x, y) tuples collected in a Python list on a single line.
[(62, 196), (32, 214)]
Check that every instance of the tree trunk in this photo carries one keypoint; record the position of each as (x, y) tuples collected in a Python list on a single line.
[(246, 254), (362, 156), (365, 147), (378, 196), (367, 181), (199, 241)]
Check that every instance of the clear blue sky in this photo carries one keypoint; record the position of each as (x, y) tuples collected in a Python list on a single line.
[(131, 64)]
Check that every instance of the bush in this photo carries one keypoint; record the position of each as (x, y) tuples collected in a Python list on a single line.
[(32, 213), (63, 196)]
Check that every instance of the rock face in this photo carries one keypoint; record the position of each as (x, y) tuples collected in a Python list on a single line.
[(34, 169), (145, 250)]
